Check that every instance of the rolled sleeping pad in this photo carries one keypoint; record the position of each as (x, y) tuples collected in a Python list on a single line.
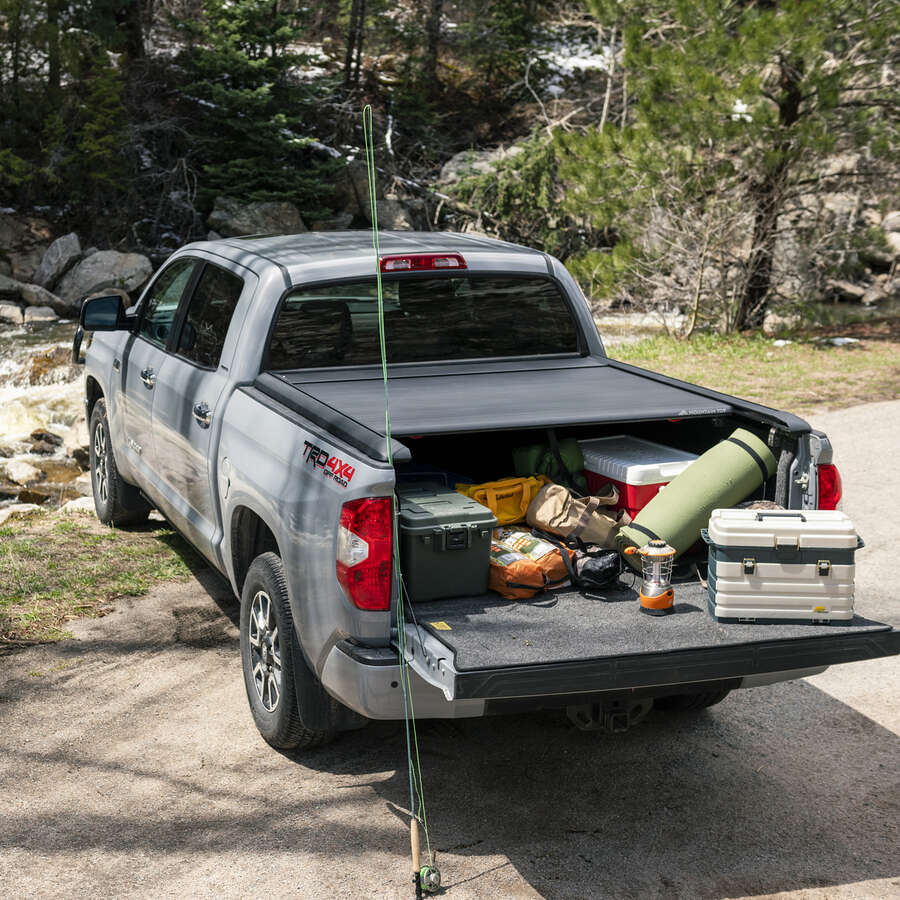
[(723, 476)]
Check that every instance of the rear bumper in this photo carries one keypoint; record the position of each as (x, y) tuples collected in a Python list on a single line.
[(368, 680)]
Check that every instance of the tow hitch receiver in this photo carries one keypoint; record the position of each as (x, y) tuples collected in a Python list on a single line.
[(611, 716)]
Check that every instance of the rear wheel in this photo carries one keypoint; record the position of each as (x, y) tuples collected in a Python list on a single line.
[(272, 662), (116, 501), (691, 702)]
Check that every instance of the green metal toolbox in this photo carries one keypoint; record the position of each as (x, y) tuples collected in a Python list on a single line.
[(445, 542)]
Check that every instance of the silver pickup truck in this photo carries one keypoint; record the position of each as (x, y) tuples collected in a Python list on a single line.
[(243, 397)]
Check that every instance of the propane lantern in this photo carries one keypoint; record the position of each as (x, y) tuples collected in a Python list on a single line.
[(657, 596)]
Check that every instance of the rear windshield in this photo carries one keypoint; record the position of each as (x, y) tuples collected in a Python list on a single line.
[(425, 319)]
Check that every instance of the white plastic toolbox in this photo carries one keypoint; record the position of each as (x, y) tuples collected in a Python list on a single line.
[(781, 566)]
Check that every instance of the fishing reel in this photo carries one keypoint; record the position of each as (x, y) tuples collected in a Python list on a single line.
[(430, 879)]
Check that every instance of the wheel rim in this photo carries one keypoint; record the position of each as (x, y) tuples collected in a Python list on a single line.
[(101, 462), (265, 651)]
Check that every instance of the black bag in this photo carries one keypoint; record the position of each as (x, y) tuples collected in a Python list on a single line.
[(593, 568)]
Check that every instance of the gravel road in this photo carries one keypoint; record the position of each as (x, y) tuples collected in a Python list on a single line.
[(129, 766)]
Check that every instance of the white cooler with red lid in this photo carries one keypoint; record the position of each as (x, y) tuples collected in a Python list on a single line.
[(637, 467)]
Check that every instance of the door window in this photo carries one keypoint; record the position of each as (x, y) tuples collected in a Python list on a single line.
[(208, 316), (162, 301)]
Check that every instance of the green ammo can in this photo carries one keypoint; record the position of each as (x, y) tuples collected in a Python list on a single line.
[(445, 542)]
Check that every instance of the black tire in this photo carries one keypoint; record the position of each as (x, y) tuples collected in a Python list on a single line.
[(274, 659), (691, 702), (116, 501)]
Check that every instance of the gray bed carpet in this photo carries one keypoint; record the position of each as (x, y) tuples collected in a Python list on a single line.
[(489, 631)]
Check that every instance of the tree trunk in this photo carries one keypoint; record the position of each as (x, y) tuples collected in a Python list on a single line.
[(360, 35), (53, 55), (129, 19), (768, 196), (433, 39), (353, 30)]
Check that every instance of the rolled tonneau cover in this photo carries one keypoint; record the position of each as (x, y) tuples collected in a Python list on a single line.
[(452, 399)]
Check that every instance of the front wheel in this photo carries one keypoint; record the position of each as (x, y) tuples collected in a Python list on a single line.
[(116, 501), (272, 660)]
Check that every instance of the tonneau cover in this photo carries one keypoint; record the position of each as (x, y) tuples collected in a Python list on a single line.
[(449, 399)]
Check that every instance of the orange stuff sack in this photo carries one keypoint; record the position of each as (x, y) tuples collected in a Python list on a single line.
[(513, 575), (547, 556)]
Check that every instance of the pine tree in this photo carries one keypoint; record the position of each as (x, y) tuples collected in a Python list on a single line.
[(745, 97)]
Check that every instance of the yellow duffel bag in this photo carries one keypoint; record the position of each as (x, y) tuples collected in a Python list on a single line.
[(507, 498)]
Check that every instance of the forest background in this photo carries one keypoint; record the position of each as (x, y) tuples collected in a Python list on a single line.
[(732, 162)]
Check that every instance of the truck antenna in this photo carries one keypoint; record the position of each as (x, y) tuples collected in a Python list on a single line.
[(426, 878)]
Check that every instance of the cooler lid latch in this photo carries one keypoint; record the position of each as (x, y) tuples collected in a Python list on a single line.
[(824, 567), (749, 565)]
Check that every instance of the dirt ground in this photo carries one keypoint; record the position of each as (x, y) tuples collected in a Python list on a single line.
[(130, 767)]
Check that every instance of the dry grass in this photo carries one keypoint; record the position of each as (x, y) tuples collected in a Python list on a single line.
[(57, 567), (802, 376)]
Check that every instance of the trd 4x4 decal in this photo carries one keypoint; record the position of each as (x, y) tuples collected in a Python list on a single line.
[(331, 466)]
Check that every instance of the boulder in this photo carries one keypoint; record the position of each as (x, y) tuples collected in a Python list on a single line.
[(874, 294), (45, 442), (20, 472), (105, 269), (775, 324), (891, 221), (24, 239), (893, 242), (213, 235), (5, 267), (17, 510), (84, 485), (474, 162), (10, 289), (393, 215), (846, 290), (78, 505), (339, 222), (39, 315), (61, 255), (76, 442), (351, 189), (35, 295), (231, 217), (11, 313)]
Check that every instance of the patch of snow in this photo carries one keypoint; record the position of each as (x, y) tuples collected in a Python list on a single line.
[(318, 145), (781, 343), (739, 112)]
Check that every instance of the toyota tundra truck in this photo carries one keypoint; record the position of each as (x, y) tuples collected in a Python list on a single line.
[(242, 396)]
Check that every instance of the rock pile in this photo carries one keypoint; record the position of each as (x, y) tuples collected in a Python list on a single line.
[(43, 279)]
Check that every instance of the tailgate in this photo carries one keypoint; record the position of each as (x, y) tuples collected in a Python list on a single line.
[(566, 642)]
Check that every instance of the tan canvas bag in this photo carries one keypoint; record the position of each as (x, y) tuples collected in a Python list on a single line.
[(555, 510)]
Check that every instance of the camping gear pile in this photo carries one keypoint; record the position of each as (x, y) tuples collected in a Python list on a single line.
[(580, 513)]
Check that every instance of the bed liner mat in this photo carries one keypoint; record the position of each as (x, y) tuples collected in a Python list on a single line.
[(568, 626)]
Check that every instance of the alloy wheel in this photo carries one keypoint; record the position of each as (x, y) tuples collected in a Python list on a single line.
[(265, 651), (101, 467)]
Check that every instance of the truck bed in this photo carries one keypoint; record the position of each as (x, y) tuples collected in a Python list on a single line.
[(567, 625)]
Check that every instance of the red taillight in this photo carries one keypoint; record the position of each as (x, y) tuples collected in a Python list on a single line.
[(422, 262), (365, 552), (830, 488)]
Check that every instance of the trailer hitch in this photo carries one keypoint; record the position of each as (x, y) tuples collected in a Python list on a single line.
[(609, 717)]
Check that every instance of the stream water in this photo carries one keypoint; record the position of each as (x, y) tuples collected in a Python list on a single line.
[(40, 391)]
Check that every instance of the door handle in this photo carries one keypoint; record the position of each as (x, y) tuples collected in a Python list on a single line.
[(148, 377), (117, 364), (202, 414)]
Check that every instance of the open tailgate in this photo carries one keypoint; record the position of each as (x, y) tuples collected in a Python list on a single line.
[(566, 642)]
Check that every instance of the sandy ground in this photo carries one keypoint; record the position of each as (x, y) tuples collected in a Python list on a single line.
[(129, 766)]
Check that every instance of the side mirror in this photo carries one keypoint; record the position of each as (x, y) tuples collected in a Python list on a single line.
[(104, 314)]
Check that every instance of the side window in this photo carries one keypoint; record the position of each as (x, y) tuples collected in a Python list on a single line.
[(162, 301), (208, 316)]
